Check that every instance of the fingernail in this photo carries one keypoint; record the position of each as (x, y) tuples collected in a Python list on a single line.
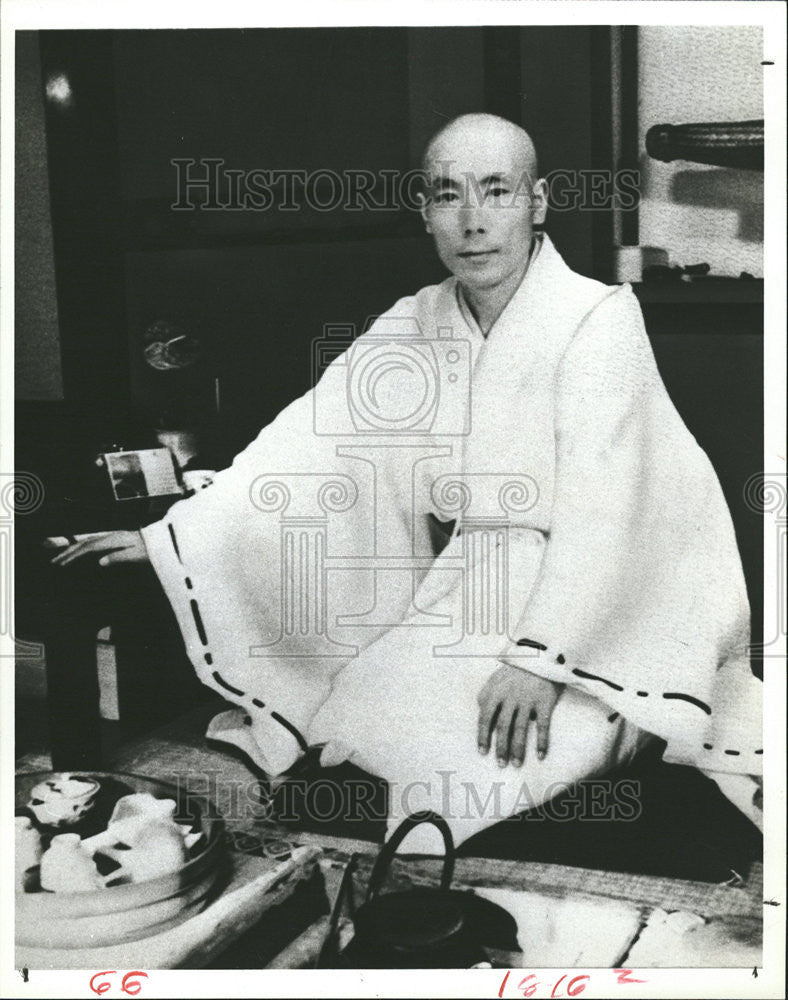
[(501, 762), (541, 754), (482, 750), (517, 762), (103, 562)]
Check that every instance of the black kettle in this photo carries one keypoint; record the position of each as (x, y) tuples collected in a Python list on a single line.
[(424, 927)]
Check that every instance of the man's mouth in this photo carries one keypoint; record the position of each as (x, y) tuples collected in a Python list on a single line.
[(470, 254)]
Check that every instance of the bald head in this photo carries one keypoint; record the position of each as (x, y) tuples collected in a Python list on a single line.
[(483, 197), (486, 133)]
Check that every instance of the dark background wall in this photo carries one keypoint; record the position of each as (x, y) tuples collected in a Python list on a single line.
[(350, 99), (37, 367)]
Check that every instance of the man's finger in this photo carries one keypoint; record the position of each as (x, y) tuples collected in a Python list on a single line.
[(65, 553), (82, 553), (519, 734), (112, 540), (486, 720), (129, 554), (542, 734), (503, 734), (77, 551)]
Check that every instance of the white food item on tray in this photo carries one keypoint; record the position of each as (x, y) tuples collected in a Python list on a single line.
[(63, 799), (27, 849), (142, 837), (67, 867)]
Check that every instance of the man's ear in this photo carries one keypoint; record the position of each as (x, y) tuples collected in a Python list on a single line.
[(423, 203), (539, 202)]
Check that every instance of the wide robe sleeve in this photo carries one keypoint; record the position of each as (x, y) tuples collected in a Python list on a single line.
[(244, 562), (640, 598)]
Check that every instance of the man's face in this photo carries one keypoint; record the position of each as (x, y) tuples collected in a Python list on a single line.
[(481, 208)]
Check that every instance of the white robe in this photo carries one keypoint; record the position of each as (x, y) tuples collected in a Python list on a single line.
[(589, 523)]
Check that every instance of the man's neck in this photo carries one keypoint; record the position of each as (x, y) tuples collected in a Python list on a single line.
[(487, 304)]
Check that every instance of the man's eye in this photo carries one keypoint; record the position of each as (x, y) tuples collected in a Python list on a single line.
[(497, 192), (445, 197)]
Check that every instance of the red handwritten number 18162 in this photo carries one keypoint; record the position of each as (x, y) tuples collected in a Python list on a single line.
[(563, 987)]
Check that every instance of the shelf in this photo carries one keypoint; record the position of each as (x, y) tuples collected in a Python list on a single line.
[(701, 291)]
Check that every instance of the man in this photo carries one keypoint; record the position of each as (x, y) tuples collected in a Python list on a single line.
[(590, 595)]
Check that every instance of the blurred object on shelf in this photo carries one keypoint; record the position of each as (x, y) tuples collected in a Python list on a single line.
[(631, 262), (168, 346), (182, 443), (721, 144), (660, 272), (178, 391)]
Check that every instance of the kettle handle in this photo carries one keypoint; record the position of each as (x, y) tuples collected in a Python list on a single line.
[(383, 860)]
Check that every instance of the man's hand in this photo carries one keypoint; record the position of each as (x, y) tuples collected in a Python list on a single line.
[(114, 547), (508, 702)]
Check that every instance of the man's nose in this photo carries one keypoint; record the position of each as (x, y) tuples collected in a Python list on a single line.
[(473, 221)]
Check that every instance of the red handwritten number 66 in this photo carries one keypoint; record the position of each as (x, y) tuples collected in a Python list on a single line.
[(129, 984), (132, 986)]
